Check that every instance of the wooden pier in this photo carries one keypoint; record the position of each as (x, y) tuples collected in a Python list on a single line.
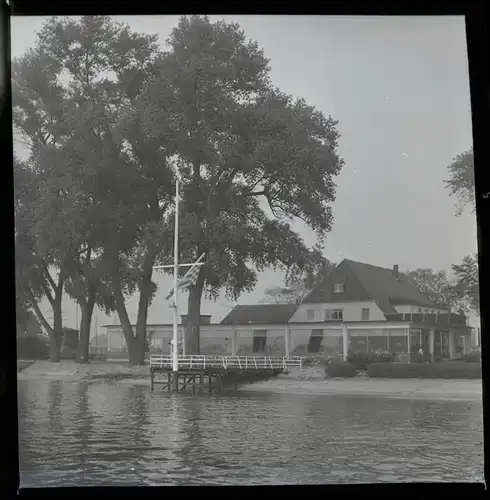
[(215, 372)]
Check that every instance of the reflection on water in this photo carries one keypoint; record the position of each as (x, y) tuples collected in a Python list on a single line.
[(77, 434)]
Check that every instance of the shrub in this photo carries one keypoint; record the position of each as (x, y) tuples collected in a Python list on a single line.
[(342, 369), (300, 350), (362, 360), (317, 360), (471, 357), (32, 347), (455, 370)]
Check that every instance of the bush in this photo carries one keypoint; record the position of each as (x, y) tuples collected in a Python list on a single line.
[(32, 347), (317, 360), (456, 370), (362, 360), (300, 350), (342, 369), (471, 357)]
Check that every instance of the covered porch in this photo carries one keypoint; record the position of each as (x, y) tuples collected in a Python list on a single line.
[(327, 338)]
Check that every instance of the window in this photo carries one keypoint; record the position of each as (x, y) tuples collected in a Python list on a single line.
[(420, 309), (333, 315), (315, 342), (310, 315), (259, 341), (338, 287), (426, 311), (365, 314)]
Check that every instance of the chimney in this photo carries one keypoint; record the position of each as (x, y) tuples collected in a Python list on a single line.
[(395, 270)]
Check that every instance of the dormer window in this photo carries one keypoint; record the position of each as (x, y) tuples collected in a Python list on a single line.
[(338, 287)]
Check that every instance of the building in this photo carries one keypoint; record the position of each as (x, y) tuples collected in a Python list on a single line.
[(358, 307)]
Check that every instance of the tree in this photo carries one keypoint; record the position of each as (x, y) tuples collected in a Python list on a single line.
[(126, 180), (467, 283), (38, 253), (437, 286), (112, 182), (461, 180), (251, 159), (296, 291)]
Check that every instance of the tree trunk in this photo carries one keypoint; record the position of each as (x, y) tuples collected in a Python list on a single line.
[(55, 332), (120, 305), (56, 336), (191, 333), (144, 302), (126, 328), (87, 308)]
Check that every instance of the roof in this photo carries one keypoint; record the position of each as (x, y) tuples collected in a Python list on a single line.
[(368, 282), (260, 314)]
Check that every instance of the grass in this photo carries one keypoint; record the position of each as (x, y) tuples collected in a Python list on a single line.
[(453, 370)]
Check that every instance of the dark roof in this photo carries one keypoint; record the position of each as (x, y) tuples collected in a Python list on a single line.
[(368, 282), (261, 314)]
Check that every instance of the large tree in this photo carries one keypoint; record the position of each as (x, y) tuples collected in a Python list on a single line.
[(251, 158), (437, 286), (40, 257), (467, 284), (295, 291), (122, 176), (461, 181)]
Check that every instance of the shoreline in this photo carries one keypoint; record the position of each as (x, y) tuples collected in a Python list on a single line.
[(434, 389), (310, 381)]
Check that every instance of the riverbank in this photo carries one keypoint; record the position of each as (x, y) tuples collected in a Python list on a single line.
[(312, 381), (309, 380), (70, 371)]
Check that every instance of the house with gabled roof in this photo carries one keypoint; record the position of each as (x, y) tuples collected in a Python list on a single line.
[(363, 308), (358, 307)]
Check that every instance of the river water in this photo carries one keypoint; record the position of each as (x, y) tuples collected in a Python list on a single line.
[(100, 435)]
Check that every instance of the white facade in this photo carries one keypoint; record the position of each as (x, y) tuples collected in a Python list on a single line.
[(351, 311)]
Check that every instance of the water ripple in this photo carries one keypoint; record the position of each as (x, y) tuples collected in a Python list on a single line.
[(81, 435)]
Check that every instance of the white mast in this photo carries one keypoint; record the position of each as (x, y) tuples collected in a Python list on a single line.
[(175, 340)]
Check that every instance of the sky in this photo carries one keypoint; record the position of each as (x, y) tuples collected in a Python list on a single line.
[(399, 88)]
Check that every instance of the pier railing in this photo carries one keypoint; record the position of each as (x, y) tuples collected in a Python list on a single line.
[(227, 362)]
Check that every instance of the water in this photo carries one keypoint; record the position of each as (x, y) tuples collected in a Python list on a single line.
[(98, 435)]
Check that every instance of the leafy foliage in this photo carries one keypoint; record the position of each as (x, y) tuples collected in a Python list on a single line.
[(461, 180), (456, 370), (436, 285), (340, 369), (298, 289), (467, 285), (105, 183), (250, 157)]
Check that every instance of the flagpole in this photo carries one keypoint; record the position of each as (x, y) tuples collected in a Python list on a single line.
[(175, 352)]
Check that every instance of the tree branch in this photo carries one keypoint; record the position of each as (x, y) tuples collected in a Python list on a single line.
[(39, 314)]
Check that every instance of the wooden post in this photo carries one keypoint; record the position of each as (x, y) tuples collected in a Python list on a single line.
[(151, 378), (169, 380), (287, 338), (201, 382), (233, 341), (209, 384)]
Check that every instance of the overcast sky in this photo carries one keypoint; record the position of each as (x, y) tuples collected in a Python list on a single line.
[(399, 88)]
